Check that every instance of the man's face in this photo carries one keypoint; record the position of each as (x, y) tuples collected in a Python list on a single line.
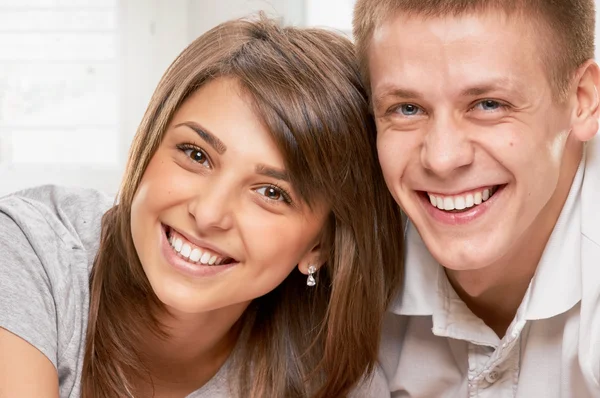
[(470, 141)]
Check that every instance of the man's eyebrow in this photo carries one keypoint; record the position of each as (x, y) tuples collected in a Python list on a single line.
[(272, 172), (500, 86), (395, 92), (485, 88), (480, 89), (206, 135)]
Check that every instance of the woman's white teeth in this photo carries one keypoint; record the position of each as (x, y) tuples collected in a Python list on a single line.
[(178, 245), (205, 258), (460, 202), (194, 255), (186, 250)]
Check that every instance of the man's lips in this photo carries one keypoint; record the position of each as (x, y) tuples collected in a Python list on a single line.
[(462, 201), (461, 210)]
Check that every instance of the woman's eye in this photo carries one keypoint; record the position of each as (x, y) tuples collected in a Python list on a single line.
[(271, 193), (408, 109), (196, 155), (488, 105)]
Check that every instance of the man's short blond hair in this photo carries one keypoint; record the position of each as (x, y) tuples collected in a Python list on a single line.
[(571, 24)]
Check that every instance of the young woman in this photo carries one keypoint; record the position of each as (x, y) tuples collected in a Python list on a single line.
[(252, 251)]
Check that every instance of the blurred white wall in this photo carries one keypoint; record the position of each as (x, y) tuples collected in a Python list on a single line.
[(76, 76), (157, 31)]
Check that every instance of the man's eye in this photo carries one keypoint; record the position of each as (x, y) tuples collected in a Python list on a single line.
[(408, 110), (488, 105)]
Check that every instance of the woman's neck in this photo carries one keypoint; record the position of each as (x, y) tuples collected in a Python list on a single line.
[(195, 348)]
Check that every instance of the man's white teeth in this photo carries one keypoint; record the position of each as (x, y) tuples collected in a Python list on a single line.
[(485, 195), (460, 202), (448, 204), (469, 201), (195, 254)]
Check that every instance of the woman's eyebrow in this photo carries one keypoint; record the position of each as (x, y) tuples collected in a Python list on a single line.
[(206, 135), (272, 172)]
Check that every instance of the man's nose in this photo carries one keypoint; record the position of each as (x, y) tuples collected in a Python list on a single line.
[(446, 148)]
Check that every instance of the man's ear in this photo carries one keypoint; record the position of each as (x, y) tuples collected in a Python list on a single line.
[(312, 257), (584, 124)]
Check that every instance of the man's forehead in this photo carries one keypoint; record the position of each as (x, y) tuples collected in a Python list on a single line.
[(471, 60), (452, 28)]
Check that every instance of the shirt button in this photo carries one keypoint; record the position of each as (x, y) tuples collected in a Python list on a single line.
[(492, 376)]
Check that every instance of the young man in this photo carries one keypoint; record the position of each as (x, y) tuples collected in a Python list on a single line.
[(486, 114)]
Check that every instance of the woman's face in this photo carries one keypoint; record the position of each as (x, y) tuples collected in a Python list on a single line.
[(215, 221)]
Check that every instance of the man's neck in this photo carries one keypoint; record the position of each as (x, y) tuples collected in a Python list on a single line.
[(494, 293)]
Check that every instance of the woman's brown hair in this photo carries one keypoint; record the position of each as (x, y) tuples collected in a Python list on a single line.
[(296, 341)]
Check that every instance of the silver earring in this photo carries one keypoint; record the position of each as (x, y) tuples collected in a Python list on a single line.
[(311, 278)]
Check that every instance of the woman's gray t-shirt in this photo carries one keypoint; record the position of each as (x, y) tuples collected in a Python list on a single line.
[(49, 237)]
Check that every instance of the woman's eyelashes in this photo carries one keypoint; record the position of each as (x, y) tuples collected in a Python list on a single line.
[(195, 154), (273, 193)]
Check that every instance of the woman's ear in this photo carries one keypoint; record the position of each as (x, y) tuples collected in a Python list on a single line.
[(584, 124), (312, 257)]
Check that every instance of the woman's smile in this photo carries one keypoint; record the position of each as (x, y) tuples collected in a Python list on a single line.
[(191, 259), (226, 207)]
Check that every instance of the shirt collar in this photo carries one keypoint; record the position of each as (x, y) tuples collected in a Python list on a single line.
[(556, 285), (420, 286), (427, 292), (554, 289), (590, 189)]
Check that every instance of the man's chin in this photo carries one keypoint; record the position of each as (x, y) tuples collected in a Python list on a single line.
[(456, 256)]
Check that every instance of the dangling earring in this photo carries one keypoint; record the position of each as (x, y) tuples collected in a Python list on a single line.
[(311, 279)]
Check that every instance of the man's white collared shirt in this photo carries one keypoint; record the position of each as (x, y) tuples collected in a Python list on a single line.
[(434, 346)]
